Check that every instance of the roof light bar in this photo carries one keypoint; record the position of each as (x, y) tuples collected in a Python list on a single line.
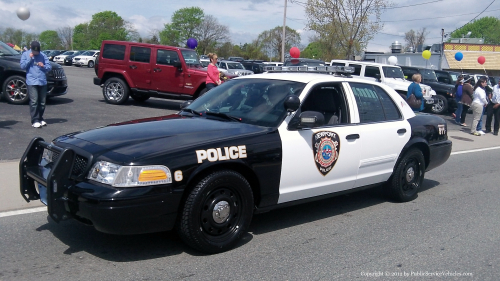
[(318, 69)]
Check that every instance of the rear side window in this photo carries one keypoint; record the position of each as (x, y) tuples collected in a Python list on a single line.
[(409, 73), (113, 51), (140, 54), (372, 71), (374, 104), (167, 57), (357, 69)]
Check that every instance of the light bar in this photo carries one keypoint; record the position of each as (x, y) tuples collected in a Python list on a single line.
[(318, 69)]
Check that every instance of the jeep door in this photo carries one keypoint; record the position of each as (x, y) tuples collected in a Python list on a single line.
[(139, 67), (167, 78)]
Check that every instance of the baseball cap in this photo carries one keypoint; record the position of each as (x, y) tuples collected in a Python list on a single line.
[(35, 46)]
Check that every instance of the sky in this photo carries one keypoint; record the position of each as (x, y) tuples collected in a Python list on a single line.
[(246, 19)]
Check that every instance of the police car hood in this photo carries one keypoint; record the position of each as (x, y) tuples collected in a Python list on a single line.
[(149, 137)]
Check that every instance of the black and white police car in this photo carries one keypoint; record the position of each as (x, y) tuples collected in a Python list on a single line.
[(251, 145)]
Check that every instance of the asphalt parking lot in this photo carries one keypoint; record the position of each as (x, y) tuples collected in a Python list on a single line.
[(82, 108)]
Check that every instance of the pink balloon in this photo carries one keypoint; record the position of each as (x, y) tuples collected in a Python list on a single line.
[(481, 60), (295, 52)]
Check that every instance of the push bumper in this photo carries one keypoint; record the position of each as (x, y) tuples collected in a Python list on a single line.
[(97, 81)]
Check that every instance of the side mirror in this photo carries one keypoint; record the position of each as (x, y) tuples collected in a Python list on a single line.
[(178, 64), (311, 119), (185, 104), (292, 103)]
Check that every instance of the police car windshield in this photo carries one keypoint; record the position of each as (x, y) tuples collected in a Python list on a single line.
[(255, 101), (393, 72)]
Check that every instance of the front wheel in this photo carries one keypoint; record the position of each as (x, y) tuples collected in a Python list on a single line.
[(15, 90), (115, 91), (90, 64), (440, 105), (216, 212), (408, 176)]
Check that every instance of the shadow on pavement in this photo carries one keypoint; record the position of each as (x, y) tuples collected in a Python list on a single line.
[(58, 101), (55, 120), (6, 124)]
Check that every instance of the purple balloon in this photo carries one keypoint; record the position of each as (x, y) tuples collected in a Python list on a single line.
[(192, 43)]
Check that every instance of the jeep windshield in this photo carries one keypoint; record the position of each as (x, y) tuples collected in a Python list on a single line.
[(254, 101), (191, 58), (428, 75), (393, 72), (6, 50)]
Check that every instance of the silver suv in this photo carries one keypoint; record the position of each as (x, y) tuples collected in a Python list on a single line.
[(233, 67)]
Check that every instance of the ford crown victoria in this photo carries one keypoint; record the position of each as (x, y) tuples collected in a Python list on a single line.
[(253, 144)]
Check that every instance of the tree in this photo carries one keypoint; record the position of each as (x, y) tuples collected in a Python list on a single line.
[(271, 40), (210, 32), (486, 27), (313, 51), (49, 40), (80, 36), (225, 50), (66, 36), (414, 38), (185, 24), (351, 22)]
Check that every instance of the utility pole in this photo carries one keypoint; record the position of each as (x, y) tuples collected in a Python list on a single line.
[(283, 35), (442, 49)]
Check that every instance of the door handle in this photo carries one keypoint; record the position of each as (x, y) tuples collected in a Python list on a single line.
[(157, 69), (352, 137), (133, 66), (401, 131)]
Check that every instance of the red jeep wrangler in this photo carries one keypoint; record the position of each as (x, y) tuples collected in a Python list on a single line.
[(146, 70)]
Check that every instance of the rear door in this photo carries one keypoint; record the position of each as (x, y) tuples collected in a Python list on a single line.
[(139, 67), (166, 77)]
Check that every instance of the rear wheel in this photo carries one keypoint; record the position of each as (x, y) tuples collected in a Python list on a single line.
[(115, 91), (440, 105), (91, 64), (408, 176), (15, 90), (216, 212)]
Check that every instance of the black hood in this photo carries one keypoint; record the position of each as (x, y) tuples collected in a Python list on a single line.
[(148, 137)]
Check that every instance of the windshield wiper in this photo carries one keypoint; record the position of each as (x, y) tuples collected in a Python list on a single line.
[(191, 111), (220, 114)]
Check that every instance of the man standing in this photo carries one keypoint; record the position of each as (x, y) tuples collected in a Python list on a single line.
[(493, 110), (36, 65)]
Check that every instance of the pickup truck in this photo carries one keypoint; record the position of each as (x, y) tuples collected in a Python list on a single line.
[(142, 71)]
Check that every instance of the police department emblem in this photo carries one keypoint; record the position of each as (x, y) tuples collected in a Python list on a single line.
[(326, 147)]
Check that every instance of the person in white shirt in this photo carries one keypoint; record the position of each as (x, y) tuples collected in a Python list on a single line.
[(493, 110), (478, 104)]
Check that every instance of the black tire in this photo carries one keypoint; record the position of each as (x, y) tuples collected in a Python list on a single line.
[(407, 177), (139, 97), (115, 91), (206, 230), (15, 90), (90, 64), (440, 105)]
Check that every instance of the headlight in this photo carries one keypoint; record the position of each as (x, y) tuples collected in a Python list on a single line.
[(129, 176)]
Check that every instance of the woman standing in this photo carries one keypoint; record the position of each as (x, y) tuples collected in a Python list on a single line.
[(478, 104), (213, 79), (466, 100), (415, 89), (458, 98)]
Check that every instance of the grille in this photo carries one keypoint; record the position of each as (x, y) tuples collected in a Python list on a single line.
[(77, 59), (78, 166), (58, 73)]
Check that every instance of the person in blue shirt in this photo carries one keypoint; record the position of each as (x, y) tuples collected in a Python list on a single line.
[(415, 89), (36, 65)]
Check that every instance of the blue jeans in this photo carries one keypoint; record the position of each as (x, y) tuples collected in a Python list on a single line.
[(458, 112), (38, 96), (210, 86), (480, 123)]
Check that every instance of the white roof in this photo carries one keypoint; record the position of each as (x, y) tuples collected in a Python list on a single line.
[(304, 77), (364, 62)]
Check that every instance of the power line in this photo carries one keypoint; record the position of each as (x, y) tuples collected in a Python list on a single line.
[(474, 17), (388, 8), (441, 17)]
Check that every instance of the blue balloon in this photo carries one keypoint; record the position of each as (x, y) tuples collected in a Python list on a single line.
[(459, 56), (192, 43)]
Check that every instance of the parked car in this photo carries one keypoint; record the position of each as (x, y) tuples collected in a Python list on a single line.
[(272, 63), (238, 59), (303, 62), (390, 75), (142, 71), (204, 62), (233, 67), (248, 146), (444, 100), (68, 60), (253, 65), (87, 58), (52, 54), (60, 58), (447, 77), (13, 77)]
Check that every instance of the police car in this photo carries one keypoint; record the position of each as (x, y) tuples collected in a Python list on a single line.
[(253, 144)]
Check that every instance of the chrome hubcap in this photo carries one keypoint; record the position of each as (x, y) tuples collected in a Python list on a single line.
[(410, 174), (221, 211), (114, 91)]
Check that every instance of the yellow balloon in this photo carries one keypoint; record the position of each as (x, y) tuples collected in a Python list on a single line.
[(426, 54)]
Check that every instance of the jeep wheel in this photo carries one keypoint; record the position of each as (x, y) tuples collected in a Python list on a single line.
[(90, 64), (440, 105), (115, 91), (202, 92), (139, 97), (407, 177), (15, 90), (216, 212)]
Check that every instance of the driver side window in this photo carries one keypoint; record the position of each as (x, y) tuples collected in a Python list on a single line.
[(327, 99)]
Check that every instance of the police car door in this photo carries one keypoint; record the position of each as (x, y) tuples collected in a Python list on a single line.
[(383, 132), (323, 159)]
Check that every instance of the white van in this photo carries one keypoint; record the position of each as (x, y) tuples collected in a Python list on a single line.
[(390, 75)]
